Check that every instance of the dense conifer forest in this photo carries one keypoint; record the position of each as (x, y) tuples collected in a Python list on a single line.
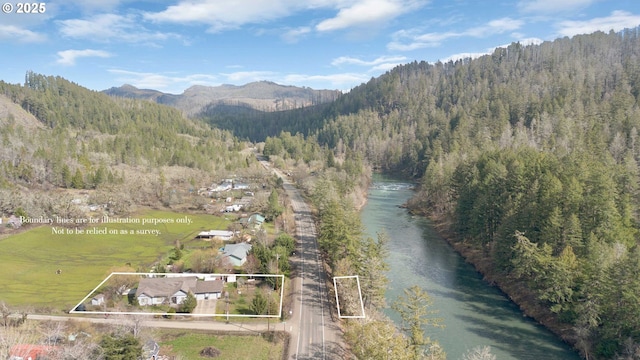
[(529, 154)]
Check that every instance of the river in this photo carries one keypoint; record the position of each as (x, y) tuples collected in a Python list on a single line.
[(474, 313)]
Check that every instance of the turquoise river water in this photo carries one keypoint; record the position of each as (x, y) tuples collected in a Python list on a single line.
[(474, 313)]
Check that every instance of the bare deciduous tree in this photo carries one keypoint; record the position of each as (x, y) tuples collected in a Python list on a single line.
[(479, 353)]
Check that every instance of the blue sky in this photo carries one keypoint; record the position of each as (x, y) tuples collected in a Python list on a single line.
[(170, 45)]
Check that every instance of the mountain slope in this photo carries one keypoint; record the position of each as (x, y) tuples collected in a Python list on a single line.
[(11, 114), (263, 96), (60, 136), (132, 92)]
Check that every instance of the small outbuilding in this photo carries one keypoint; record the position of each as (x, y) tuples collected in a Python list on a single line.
[(224, 235), (97, 300)]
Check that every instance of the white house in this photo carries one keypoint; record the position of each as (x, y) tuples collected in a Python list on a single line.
[(158, 291), (174, 290)]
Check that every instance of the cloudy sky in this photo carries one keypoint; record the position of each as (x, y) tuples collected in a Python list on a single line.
[(170, 45)]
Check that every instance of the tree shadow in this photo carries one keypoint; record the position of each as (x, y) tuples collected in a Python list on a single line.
[(521, 343), (330, 350)]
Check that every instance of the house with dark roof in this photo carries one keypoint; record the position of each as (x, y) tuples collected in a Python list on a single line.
[(174, 290), (208, 289)]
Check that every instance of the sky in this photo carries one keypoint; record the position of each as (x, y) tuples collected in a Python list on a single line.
[(170, 45)]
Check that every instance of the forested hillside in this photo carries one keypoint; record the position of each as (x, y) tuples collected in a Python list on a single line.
[(530, 155), (218, 102), (82, 139)]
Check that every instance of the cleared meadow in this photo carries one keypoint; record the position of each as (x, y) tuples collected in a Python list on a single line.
[(54, 271)]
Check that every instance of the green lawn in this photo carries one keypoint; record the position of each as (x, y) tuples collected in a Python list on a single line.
[(189, 345), (240, 299), (29, 260)]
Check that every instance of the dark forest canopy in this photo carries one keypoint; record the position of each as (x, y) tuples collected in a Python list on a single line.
[(530, 153), (418, 111)]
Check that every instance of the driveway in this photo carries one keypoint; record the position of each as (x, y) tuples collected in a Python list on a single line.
[(206, 307)]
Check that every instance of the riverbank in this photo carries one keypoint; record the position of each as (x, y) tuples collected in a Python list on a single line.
[(474, 313), (514, 290)]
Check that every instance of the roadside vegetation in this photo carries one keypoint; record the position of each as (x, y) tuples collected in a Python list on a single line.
[(333, 186), (528, 160)]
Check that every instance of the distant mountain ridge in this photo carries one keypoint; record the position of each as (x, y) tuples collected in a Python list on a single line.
[(264, 96)]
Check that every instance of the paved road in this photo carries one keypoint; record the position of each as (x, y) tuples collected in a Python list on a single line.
[(314, 334)]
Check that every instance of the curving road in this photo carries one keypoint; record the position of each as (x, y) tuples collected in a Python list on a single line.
[(314, 335)]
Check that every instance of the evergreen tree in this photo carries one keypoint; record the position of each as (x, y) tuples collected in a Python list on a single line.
[(259, 303), (274, 208), (189, 304), (66, 176), (415, 310), (77, 181), (125, 347)]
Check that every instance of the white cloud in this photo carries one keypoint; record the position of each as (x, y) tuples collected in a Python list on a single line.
[(384, 67), (111, 27), (68, 57), (226, 15), (17, 34), (553, 6), (343, 81), (618, 20), (378, 61), (475, 55), (500, 26), (377, 65), (294, 35), (366, 12), (223, 15), (243, 77), (168, 83), (407, 40)]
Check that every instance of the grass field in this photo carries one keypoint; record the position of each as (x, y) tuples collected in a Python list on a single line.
[(189, 345), (29, 260)]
